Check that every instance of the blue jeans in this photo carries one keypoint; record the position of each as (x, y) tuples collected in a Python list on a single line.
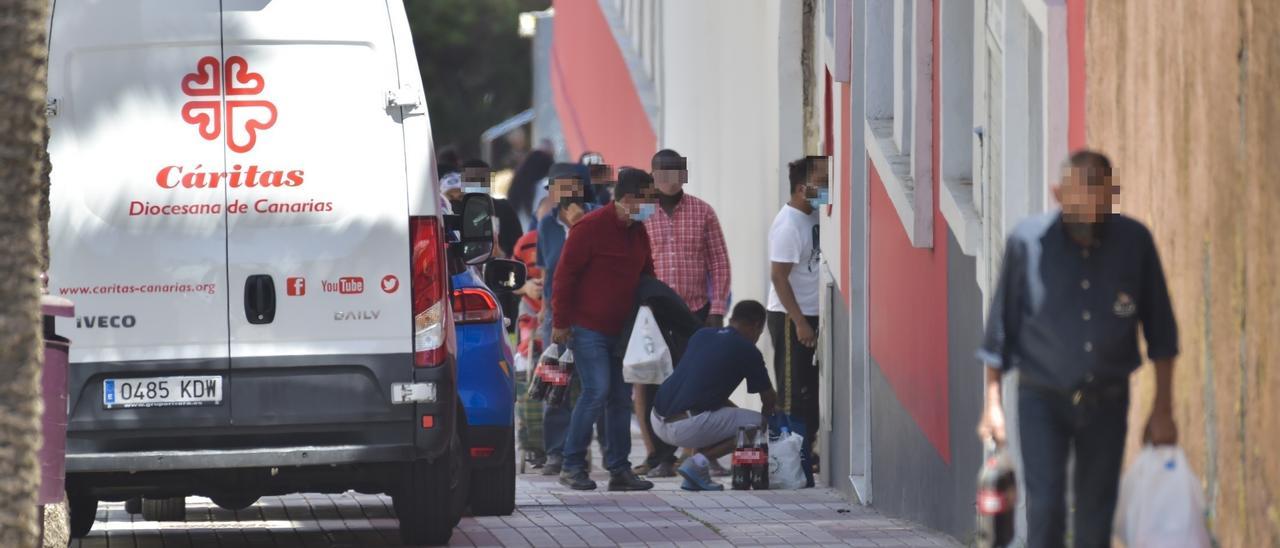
[(555, 425), (603, 392), (1051, 424)]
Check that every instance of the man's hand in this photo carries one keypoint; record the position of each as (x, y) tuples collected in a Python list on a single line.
[(715, 321), (1160, 430), (560, 335), (992, 424), (806, 334)]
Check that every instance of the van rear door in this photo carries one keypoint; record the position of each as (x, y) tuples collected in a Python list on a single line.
[(138, 233), (318, 230)]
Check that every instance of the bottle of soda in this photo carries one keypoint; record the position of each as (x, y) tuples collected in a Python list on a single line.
[(539, 384), (760, 471), (997, 499), (558, 395), (742, 461)]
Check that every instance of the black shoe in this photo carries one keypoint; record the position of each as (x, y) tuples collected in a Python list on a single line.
[(553, 466), (626, 480), (578, 480)]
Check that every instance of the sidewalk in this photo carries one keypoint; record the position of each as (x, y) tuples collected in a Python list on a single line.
[(547, 514)]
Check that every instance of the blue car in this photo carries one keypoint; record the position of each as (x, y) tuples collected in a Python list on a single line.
[(486, 389)]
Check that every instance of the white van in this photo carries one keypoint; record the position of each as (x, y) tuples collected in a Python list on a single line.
[(245, 213)]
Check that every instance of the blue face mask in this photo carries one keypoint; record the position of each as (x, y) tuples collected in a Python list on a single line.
[(824, 197), (475, 190), (646, 211)]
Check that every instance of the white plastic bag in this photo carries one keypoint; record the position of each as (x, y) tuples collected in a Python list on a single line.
[(648, 360), (785, 471), (1161, 504)]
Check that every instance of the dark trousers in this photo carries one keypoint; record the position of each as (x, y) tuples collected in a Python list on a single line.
[(1053, 423), (797, 383), (664, 452)]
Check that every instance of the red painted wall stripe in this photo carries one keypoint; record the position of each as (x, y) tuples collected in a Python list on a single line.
[(907, 299), (846, 193), (594, 94)]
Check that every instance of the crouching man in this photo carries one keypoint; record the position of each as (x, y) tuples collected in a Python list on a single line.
[(692, 407)]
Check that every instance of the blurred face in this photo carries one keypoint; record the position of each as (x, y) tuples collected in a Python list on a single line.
[(1086, 195), (476, 180), (562, 190), (637, 204), (818, 183), (670, 182)]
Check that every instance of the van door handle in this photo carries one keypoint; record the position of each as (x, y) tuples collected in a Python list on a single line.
[(260, 299)]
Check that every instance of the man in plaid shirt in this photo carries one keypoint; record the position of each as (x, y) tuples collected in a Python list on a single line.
[(689, 254)]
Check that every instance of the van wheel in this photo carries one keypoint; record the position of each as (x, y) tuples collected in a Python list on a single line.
[(170, 509), (133, 506), (427, 504), (83, 510), (235, 503), (493, 491)]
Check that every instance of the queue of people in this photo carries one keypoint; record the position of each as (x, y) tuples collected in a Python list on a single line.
[(589, 236)]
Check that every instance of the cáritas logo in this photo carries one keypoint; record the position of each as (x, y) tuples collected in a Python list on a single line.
[(225, 99), (207, 85)]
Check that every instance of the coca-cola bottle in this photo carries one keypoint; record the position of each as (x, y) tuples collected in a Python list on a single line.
[(742, 461), (558, 395), (538, 383), (997, 499), (760, 470)]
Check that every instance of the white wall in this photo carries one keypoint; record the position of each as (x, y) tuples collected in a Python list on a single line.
[(731, 103), (728, 86)]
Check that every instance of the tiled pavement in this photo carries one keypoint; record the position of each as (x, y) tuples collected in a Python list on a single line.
[(546, 515)]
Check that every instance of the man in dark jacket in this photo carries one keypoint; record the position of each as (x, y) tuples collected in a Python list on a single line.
[(678, 324)]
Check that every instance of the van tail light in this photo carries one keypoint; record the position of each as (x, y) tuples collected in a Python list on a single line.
[(482, 452), (428, 279), (474, 305)]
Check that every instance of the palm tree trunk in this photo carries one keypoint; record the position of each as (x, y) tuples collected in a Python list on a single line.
[(22, 125)]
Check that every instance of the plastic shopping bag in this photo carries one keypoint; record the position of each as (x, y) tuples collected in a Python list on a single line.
[(648, 360), (785, 471), (1161, 503)]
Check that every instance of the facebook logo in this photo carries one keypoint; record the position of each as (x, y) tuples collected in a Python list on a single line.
[(296, 287)]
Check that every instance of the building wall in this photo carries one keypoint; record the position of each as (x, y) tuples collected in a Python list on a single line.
[(598, 102), (731, 103), (1182, 96)]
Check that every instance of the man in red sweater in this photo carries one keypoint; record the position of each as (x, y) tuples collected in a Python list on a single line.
[(600, 267)]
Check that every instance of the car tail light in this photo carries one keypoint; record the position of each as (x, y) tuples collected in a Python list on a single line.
[(482, 452), (428, 279), (428, 422), (473, 305)]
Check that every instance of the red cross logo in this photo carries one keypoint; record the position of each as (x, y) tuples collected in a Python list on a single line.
[(242, 116)]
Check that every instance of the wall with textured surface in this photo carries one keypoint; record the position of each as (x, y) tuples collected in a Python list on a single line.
[(1183, 96)]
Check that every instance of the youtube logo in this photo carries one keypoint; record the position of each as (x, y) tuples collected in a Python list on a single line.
[(296, 287)]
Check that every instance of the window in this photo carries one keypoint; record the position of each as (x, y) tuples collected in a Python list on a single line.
[(956, 124), (899, 109)]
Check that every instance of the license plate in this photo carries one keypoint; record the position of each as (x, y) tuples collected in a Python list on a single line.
[(162, 391)]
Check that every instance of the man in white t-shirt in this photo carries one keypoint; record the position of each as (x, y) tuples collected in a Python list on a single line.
[(793, 300)]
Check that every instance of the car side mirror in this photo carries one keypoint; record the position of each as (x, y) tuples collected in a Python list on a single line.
[(505, 275), (475, 233)]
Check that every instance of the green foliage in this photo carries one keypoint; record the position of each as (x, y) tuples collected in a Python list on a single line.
[(475, 67)]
